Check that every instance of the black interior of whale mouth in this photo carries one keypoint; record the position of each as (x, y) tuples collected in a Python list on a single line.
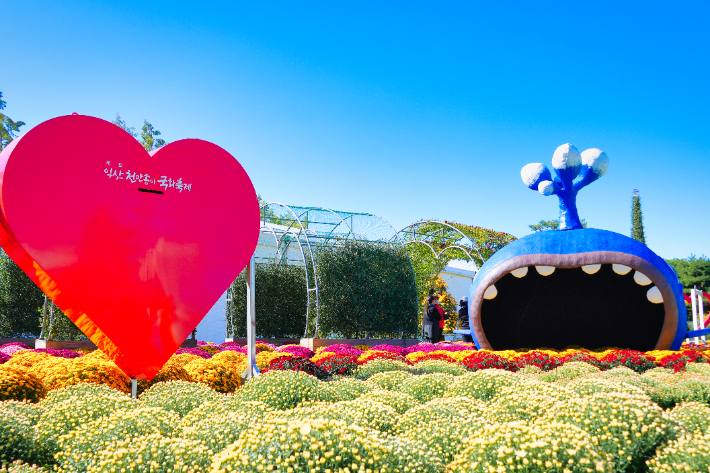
[(571, 308)]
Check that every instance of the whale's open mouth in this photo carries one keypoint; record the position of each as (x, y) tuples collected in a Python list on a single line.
[(592, 306), (593, 300)]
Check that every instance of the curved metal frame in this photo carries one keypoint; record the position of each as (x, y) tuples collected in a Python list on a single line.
[(466, 250), (310, 240)]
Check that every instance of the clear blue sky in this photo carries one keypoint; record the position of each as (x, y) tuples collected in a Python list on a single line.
[(407, 110)]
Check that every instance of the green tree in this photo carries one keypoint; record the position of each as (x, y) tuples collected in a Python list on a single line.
[(637, 232), (440, 238), (8, 128), (148, 137), (545, 225), (692, 271)]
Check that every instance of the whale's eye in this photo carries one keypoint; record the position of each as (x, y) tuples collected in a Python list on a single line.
[(592, 306)]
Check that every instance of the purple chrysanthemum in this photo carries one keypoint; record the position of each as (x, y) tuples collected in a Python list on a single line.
[(59, 353), (193, 351), (10, 348), (390, 348), (235, 347), (343, 348), (296, 350)]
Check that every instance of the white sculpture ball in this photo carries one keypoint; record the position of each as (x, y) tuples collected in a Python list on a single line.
[(546, 188), (566, 157), (597, 160), (531, 173)]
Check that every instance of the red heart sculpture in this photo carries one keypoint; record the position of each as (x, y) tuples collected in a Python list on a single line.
[(134, 247)]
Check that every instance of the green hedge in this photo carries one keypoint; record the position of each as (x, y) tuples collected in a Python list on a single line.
[(20, 301), (366, 288), (280, 302)]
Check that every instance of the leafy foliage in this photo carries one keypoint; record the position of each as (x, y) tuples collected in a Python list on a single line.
[(637, 232), (148, 136), (20, 300), (366, 287), (545, 225), (8, 127), (692, 271), (280, 302)]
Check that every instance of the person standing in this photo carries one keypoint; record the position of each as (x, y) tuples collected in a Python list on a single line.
[(463, 319), (431, 320), (436, 313)]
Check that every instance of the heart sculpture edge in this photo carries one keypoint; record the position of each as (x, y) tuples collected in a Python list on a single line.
[(134, 247)]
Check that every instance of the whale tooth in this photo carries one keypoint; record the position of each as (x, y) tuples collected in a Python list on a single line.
[(545, 270), (490, 293), (641, 279), (620, 269), (654, 295), (591, 268), (520, 272)]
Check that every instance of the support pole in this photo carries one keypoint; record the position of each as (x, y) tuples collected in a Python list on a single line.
[(44, 318), (251, 370), (701, 313), (134, 388), (694, 306)]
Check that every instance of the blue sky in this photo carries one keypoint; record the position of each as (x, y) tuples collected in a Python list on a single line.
[(406, 110)]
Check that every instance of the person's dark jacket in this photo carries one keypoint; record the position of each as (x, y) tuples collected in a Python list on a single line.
[(463, 317), (432, 316)]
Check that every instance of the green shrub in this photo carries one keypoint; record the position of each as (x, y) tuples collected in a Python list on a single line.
[(569, 370), (179, 396), (444, 437), (530, 399), (226, 406), (438, 366), (220, 429), (590, 386), (482, 384), (78, 449), (379, 366), (17, 440), (389, 380), (285, 445), (281, 302), (426, 387), (81, 391), (367, 413), (516, 446), (400, 402), (693, 416), (20, 301), (366, 287), (62, 417), (27, 410), (20, 467), (281, 389), (153, 453), (687, 453), (350, 388), (623, 425)]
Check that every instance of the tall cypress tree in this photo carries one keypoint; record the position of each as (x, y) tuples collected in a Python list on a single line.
[(637, 218)]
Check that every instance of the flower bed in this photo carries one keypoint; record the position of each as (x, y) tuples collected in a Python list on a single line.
[(426, 408)]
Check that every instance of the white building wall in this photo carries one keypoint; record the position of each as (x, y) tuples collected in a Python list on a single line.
[(459, 276)]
